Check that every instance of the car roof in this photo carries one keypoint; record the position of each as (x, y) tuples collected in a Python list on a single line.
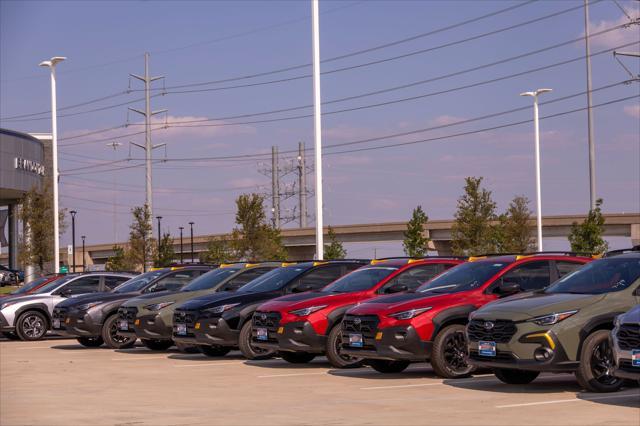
[(402, 261), (510, 258)]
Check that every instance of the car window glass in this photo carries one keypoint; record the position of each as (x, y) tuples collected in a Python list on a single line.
[(138, 282), (210, 280), (319, 278), (244, 277), (565, 268), (83, 285), (173, 281), (600, 276), (360, 279), (112, 282), (466, 276), (54, 284), (274, 280), (529, 276), (414, 277), (27, 287)]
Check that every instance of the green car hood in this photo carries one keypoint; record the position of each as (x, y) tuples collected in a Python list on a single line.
[(529, 305)]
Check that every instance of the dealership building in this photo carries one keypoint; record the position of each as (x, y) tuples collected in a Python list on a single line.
[(25, 163)]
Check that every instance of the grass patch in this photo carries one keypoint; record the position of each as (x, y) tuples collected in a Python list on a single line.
[(7, 289)]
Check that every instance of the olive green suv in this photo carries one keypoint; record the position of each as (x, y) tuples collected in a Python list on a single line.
[(564, 328)]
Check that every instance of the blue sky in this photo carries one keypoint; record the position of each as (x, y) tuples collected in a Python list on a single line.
[(193, 42)]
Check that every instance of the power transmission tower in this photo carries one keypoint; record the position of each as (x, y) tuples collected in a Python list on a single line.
[(148, 146)]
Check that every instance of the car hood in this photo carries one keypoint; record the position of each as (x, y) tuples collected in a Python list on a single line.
[(224, 298), (143, 299), (178, 296), (95, 297), (307, 299), (631, 317), (526, 306), (405, 301), (26, 298)]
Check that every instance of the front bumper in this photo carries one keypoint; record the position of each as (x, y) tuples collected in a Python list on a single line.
[(299, 336), (207, 331), (127, 314), (5, 327), (152, 327), (624, 366), (393, 343), (76, 323)]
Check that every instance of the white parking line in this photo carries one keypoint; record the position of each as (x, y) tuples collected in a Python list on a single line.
[(418, 385), (33, 347), (207, 364), (562, 401), (292, 375), (139, 358)]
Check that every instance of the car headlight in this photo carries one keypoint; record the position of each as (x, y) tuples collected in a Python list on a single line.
[(158, 306), (88, 306), (222, 308), (307, 311), (411, 313), (6, 304), (552, 318)]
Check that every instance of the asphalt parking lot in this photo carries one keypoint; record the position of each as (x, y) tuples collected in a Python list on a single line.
[(59, 382)]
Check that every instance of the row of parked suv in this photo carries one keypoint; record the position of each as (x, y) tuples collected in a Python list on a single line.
[(518, 315)]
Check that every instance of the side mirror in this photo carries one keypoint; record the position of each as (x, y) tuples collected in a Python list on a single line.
[(65, 293), (507, 288), (396, 288)]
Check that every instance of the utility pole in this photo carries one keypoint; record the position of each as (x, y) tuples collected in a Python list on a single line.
[(317, 127), (159, 235), (148, 147), (73, 237), (181, 251), (302, 185), (192, 252), (275, 187), (592, 149)]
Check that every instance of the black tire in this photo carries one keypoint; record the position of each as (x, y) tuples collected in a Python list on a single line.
[(386, 366), (515, 377), (297, 357), (214, 351), (333, 349), (157, 345), (11, 336), (111, 337), (596, 364), (187, 349), (91, 342), (450, 353), (248, 350), (31, 326)]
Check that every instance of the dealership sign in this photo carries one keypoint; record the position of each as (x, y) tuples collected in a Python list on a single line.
[(29, 166)]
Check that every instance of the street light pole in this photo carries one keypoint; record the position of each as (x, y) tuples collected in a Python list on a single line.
[(192, 254), (54, 155), (537, 156), (159, 236), (73, 237), (181, 251), (84, 262), (317, 125)]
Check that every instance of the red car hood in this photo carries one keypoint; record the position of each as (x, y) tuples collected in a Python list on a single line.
[(305, 300), (404, 301)]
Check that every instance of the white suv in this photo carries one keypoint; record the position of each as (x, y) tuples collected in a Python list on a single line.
[(29, 316)]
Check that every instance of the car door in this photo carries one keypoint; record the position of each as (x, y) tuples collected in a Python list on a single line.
[(413, 278), (113, 281), (317, 278), (81, 285), (530, 276)]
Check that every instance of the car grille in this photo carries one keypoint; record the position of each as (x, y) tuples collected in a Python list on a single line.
[(185, 317), (60, 313), (629, 336), (128, 313), (268, 320), (367, 325), (626, 365), (501, 332)]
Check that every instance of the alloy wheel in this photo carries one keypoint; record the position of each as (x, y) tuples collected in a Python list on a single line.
[(602, 364), (455, 353), (33, 327)]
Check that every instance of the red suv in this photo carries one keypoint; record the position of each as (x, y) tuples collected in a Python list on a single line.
[(390, 332), (301, 326)]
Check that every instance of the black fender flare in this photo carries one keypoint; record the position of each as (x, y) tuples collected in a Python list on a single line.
[(246, 313), (335, 316), (455, 314), (40, 307), (596, 323)]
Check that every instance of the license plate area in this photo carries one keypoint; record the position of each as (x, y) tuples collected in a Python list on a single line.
[(56, 323), (123, 325), (487, 348), (635, 358), (355, 340), (262, 334), (181, 329)]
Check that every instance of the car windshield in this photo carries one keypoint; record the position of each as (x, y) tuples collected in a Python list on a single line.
[(273, 280), (466, 276), (139, 282), (28, 287), (210, 279), (55, 284), (359, 280), (600, 276)]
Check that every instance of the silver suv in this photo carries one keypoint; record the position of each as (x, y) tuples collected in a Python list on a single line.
[(28, 317)]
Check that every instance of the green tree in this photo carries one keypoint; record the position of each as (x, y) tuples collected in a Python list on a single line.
[(218, 251), (141, 243), (165, 254), (415, 243), (120, 261), (513, 234), (254, 239), (334, 250), (586, 237), (473, 231), (37, 215)]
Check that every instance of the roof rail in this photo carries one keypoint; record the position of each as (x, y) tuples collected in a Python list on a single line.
[(422, 257), (622, 251), (534, 253)]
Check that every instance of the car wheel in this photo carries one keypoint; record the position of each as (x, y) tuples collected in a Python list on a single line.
[(157, 344), (449, 356), (515, 377), (187, 349), (31, 326), (248, 350), (11, 336), (91, 342), (297, 357), (111, 337), (334, 348), (214, 351), (387, 366), (595, 372)]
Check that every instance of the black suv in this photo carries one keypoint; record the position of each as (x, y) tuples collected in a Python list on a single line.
[(220, 322), (92, 317)]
